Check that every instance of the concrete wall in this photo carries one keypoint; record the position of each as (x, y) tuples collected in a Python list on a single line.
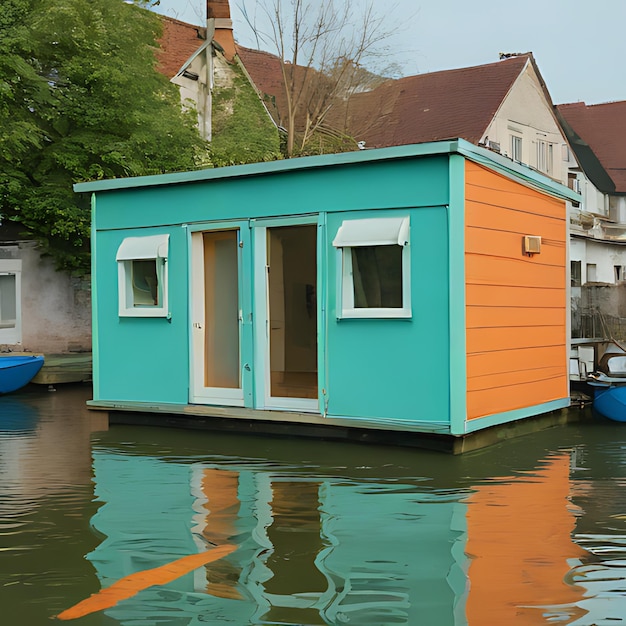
[(599, 311), (610, 299), (55, 307)]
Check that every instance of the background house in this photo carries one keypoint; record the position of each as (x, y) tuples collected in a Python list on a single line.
[(597, 136), (203, 63), (506, 107), (41, 309)]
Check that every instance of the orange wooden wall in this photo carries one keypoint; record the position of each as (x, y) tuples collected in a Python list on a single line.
[(516, 305)]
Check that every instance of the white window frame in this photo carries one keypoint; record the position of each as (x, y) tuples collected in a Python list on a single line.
[(151, 248), (13, 335), (591, 273), (517, 147), (550, 158), (382, 231), (545, 156)]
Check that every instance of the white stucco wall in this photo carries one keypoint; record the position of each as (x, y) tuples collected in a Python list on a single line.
[(212, 70), (601, 254), (526, 113), (55, 307), (594, 201), (578, 250), (196, 93), (617, 209)]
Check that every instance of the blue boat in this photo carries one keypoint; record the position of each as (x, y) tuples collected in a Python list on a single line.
[(610, 402), (16, 371), (609, 384)]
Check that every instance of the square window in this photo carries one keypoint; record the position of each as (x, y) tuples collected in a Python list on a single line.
[(377, 277), (142, 276), (374, 281), (592, 272)]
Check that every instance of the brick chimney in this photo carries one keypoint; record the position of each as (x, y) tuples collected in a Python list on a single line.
[(218, 17)]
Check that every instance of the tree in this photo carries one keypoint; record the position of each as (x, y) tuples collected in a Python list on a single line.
[(322, 48), (80, 99), (242, 130)]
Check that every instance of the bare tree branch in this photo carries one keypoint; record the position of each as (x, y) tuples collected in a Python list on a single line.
[(322, 47)]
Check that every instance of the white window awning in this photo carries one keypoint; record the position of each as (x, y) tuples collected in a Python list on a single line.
[(152, 247), (378, 231)]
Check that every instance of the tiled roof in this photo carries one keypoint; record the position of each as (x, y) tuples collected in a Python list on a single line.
[(178, 43), (264, 69), (426, 107), (265, 72), (415, 109), (603, 128), (435, 106)]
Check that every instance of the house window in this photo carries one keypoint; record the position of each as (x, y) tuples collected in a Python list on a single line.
[(10, 301), (550, 158), (142, 276), (592, 273), (575, 273), (545, 156), (374, 280), (516, 148)]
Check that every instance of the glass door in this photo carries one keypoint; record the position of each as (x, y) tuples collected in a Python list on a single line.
[(216, 318), (289, 312)]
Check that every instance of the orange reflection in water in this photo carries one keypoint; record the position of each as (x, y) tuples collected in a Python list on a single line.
[(220, 489), (519, 541)]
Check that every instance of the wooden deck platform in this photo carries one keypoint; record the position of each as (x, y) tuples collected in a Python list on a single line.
[(65, 368), (426, 435)]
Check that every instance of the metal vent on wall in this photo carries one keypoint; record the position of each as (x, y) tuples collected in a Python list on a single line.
[(531, 245)]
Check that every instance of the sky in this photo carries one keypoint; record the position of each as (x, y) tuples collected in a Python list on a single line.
[(579, 45)]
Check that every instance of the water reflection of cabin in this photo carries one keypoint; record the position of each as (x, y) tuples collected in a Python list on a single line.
[(413, 289)]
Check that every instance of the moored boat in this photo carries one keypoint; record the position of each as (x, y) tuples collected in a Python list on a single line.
[(16, 371), (609, 384), (610, 402)]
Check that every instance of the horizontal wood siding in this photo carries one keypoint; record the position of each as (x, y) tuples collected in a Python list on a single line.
[(515, 304)]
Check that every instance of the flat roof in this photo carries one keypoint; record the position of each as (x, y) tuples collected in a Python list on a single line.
[(497, 162)]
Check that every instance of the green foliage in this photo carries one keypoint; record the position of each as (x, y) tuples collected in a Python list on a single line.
[(80, 99), (243, 132)]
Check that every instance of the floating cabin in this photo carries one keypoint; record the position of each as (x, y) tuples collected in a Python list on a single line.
[(413, 295)]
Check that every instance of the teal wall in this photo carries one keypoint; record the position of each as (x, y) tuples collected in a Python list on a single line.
[(370, 185), (394, 369), (143, 359)]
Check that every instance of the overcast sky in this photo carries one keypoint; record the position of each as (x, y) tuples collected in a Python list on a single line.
[(579, 45)]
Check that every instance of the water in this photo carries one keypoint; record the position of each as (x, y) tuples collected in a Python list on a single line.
[(531, 531)]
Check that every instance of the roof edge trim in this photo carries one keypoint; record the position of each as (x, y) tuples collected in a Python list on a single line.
[(521, 173), (284, 165), (485, 157)]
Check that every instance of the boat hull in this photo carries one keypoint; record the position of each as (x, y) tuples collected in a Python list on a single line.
[(610, 402), (18, 371)]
